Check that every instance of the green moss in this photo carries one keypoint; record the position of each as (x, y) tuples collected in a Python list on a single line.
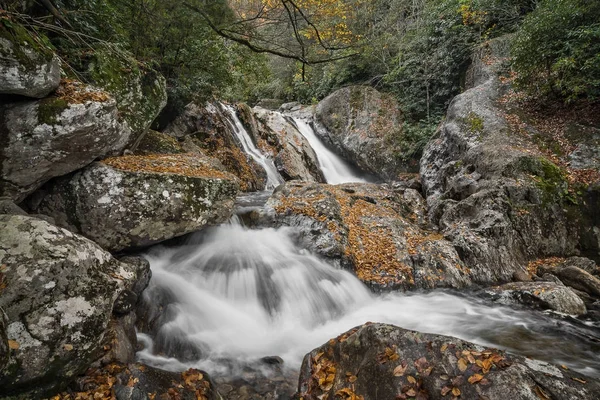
[(158, 143), (549, 178), (49, 109), (474, 123), (23, 40)]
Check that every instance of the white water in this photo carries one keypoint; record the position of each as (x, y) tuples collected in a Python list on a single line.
[(334, 168), (273, 177), (239, 294)]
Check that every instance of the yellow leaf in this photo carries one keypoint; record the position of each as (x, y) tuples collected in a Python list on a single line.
[(462, 365), (13, 344), (352, 378), (456, 391), (411, 379), (68, 347), (475, 378), (579, 380), (444, 347)]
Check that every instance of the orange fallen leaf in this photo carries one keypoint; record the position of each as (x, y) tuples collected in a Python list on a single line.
[(400, 369), (462, 365), (456, 391), (13, 344), (579, 380), (473, 379), (411, 379)]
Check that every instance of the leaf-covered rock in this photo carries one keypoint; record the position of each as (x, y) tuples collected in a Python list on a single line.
[(378, 232), (55, 136), (378, 361), (58, 293), (134, 201)]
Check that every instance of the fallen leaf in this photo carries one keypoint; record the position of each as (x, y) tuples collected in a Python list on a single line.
[(352, 378), (456, 391), (13, 345), (411, 379), (446, 390), (444, 347), (473, 379), (68, 347), (462, 365), (411, 392), (579, 380), (400, 369), (541, 394)]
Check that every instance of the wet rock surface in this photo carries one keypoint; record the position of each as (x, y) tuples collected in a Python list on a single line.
[(55, 136), (358, 121), (371, 229), (58, 291), (136, 201), (376, 361), (292, 154)]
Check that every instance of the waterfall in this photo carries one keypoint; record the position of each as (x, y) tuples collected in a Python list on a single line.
[(273, 177), (334, 168), (234, 295)]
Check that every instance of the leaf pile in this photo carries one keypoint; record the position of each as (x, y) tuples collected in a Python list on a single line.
[(74, 92), (187, 164)]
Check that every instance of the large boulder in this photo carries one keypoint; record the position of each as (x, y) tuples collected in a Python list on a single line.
[(210, 130), (377, 361), (490, 191), (375, 231), (27, 66), (293, 156), (134, 201), (55, 136), (58, 291), (140, 91), (364, 126)]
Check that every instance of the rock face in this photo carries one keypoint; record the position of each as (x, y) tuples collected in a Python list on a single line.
[(27, 68), (378, 232), (544, 295), (292, 154), (134, 201), (380, 361), (58, 292), (208, 130), (141, 92), (499, 202), (55, 136), (360, 124)]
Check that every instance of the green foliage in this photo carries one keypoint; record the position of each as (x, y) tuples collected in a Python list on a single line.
[(557, 51)]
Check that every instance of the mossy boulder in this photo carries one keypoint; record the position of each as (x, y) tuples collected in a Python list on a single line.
[(28, 66), (134, 201), (364, 126), (140, 91), (58, 291), (155, 142), (379, 361), (54, 136)]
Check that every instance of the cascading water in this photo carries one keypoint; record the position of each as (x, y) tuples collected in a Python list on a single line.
[(334, 168), (234, 295), (273, 177)]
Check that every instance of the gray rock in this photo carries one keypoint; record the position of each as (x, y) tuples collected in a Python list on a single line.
[(27, 68), (358, 122), (580, 280), (119, 209), (377, 361), (7, 206), (374, 231), (498, 203), (53, 137), (293, 156), (4, 347), (59, 295), (544, 295)]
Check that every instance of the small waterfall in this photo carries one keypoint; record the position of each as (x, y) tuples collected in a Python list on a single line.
[(334, 168), (273, 177), (234, 295)]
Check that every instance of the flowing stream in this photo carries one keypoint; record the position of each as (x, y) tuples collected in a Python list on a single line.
[(231, 295), (236, 295), (334, 168), (273, 177)]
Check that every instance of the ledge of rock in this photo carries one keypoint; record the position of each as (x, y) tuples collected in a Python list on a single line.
[(134, 201), (359, 121), (58, 290), (208, 129), (293, 156), (55, 136), (377, 232), (377, 361), (27, 68)]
